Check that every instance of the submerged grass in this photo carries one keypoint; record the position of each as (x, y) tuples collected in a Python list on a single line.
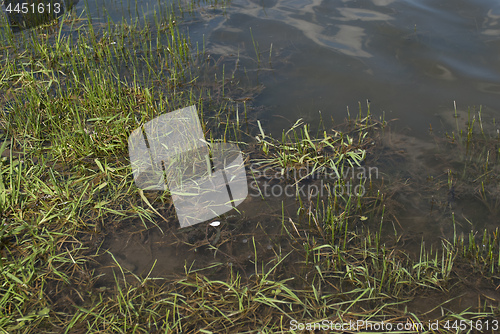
[(72, 97)]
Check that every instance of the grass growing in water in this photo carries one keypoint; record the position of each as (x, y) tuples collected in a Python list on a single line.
[(70, 102)]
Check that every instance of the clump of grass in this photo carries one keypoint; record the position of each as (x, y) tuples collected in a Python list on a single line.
[(70, 101), (342, 252), (330, 152)]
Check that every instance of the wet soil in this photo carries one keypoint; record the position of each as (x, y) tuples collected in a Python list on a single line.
[(165, 250)]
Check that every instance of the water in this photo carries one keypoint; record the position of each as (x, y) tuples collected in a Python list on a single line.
[(412, 60)]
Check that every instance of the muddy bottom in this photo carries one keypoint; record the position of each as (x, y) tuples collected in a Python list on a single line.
[(165, 250), (434, 189)]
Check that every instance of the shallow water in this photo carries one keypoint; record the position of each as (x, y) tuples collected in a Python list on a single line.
[(321, 59), (411, 59)]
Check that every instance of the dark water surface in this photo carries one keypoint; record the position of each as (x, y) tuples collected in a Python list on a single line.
[(411, 59)]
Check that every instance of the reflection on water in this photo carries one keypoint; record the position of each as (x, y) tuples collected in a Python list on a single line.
[(412, 59)]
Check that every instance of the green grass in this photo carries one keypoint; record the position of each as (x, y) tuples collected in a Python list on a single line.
[(73, 94)]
